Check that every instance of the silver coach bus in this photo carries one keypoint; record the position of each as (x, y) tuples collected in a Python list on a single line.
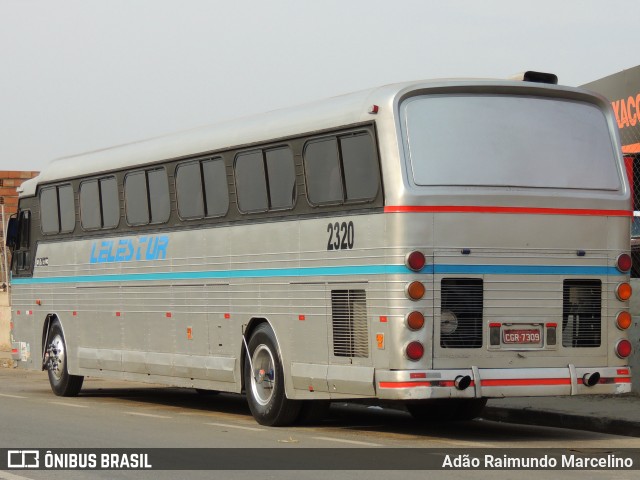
[(431, 243)]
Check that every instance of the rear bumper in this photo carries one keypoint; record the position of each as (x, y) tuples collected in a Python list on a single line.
[(498, 382)]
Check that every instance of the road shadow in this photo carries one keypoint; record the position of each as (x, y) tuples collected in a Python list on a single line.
[(352, 416)]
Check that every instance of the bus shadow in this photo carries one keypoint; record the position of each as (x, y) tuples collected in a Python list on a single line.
[(342, 416)]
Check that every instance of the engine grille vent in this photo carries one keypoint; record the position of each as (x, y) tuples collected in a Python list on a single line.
[(350, 325), (461, 313), (581, 313)]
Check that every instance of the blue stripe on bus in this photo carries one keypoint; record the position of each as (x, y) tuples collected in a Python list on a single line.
[(329, 271)]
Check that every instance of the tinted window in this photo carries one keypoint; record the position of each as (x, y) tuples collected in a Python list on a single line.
[(135, 192), (24, 228), (250, 182), (159, 195), (49, 210), (322, 171), (67, 209), (189, 189), (361, 175), (110, 202), (282, 178), (216, 187), (521, 141), (90, 205)]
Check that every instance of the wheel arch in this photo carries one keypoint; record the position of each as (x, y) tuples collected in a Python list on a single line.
[(251, 327)]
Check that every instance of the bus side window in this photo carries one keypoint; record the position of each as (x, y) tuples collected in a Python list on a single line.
[(57, 209), (341, 169), (361, 173)]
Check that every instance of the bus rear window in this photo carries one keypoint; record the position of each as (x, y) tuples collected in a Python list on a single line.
[(508, 141)]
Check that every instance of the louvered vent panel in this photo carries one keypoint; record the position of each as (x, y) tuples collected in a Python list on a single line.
[(461, 313), (350, 326), (581, 313)]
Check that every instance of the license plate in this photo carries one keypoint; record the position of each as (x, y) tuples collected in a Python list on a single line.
[(524, 336)]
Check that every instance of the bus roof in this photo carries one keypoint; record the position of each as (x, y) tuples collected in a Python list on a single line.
[(343, 110)]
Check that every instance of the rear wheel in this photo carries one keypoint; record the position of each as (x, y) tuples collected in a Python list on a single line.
[(264, 381), (62, 384)]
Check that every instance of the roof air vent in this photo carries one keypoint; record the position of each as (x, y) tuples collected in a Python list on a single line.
[(536, 77)]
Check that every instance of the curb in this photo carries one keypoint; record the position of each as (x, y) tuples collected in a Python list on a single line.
[(528, 416)]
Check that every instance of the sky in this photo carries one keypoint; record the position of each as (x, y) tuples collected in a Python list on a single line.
[(81, 75)]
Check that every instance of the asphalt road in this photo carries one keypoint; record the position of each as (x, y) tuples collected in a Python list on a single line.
[(114, 414)]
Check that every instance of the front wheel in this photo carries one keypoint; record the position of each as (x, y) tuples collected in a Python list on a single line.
[(264, 381), (62, 384)]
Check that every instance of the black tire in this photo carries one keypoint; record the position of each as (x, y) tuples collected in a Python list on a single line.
[(62, 384), (313, 412), (447, 410), (265, 384)]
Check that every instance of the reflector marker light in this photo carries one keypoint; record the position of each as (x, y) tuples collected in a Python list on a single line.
[(415, 290), (623, 320), (623, 291), (417, 375), (415, 261), (227, 315), (415, 321), (415, 351), (302, 318), (623, 348), (623, 262), (551, 325), (373, 109), (383, 319), (168, 314)]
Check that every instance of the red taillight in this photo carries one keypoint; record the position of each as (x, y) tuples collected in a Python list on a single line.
[(623, 291), (623, 348), (623, 320), (623, 262), (415, 320), (415, 351), (415, 290), (415, 261)]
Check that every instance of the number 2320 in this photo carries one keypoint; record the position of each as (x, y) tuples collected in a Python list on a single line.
[(341, 236)]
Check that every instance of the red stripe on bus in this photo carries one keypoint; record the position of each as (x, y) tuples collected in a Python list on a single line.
[(622, 380), (520, 210), (498, 382), (404, 384)]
